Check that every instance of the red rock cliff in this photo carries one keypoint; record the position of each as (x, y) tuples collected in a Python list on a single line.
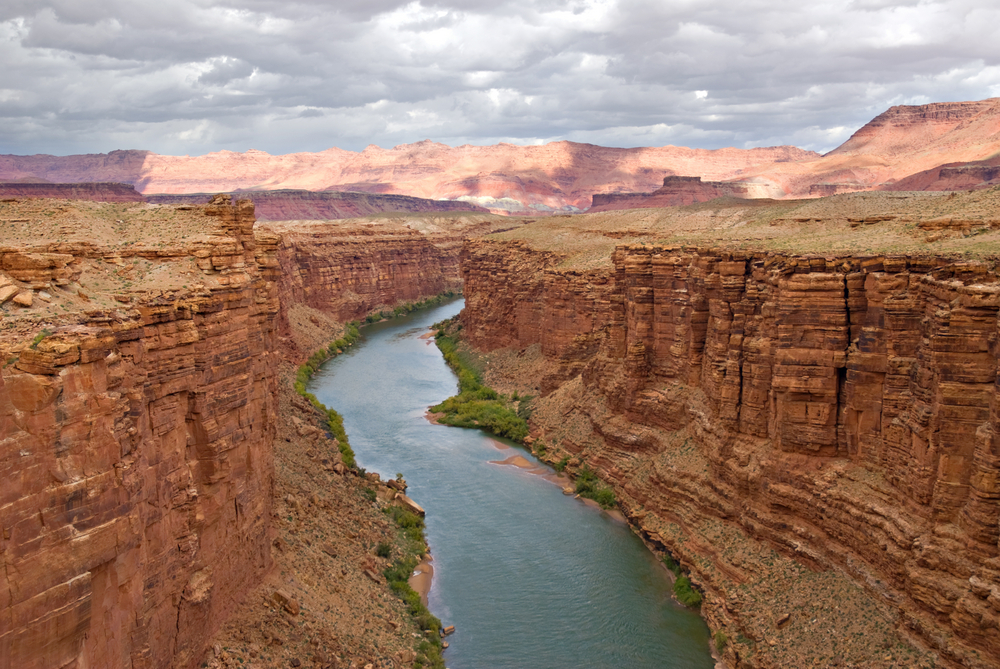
[(136, 439), (348, 271), (843, 409), (136, 452)]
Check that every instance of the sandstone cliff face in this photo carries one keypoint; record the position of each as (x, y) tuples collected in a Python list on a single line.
[(349, 271), (136, 436), (136, 448), (845, 409)]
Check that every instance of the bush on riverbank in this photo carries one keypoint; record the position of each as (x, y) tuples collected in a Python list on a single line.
[(589, 486), (683, 590), (412, 545), (476, 405), (334, 421)]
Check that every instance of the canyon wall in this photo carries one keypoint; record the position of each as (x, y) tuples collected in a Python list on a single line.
[(137, 456), (137, 433), (843, 409), (350, 271)]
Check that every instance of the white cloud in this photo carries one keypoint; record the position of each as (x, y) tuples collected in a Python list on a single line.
[(193, 76)]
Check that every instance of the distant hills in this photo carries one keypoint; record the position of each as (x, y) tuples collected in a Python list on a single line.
[(940, 146)]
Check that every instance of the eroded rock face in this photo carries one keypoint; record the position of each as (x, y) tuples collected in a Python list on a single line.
[(349, 271), (136, 452), (136, 445), (781, 368)]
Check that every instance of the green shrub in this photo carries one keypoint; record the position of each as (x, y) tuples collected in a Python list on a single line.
[(685, 593), (589, 486), (672, 565), (476, 405), (384, 549), (561, 465), (721, 639)]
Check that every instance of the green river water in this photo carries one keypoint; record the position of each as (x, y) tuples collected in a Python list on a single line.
[(531, 578)]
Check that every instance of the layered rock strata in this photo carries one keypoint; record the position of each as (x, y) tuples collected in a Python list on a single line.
[(842, 409), (137, 432), (349, 271), (136, 450)]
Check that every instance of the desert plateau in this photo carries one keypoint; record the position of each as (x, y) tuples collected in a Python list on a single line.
[(780, 367)]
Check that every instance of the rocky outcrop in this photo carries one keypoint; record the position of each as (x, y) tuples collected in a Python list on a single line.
[(845, 410), (136, 448), (676, 191)]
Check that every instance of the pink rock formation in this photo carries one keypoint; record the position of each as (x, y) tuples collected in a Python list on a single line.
[(563, 175), (550, 177)]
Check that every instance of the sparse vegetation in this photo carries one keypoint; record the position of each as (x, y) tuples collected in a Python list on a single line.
[(411, 535), (39, 337), (476, 405), (591, 487)]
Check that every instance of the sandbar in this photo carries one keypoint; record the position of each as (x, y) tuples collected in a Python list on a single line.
[(421, 578)]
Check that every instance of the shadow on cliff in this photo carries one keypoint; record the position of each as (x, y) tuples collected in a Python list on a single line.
[(117, 167)]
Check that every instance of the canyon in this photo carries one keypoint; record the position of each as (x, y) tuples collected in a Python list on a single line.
[(938, 146), (794, 398), (809, 429), (139, 410)]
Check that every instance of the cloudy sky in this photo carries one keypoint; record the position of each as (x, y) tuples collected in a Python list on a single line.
[(194, 76)]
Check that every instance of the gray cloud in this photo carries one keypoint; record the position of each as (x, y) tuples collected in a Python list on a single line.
[(192, 76)]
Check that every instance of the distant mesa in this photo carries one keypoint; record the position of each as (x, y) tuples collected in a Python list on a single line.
[(676, 191), (940, 146), (281, 205), (291, 205), (97, 192)]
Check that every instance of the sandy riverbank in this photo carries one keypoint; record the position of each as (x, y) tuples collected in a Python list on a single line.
[(561, 480), (422, 577)]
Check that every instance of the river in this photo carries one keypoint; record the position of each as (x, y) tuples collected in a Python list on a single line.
[(531, 578)]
